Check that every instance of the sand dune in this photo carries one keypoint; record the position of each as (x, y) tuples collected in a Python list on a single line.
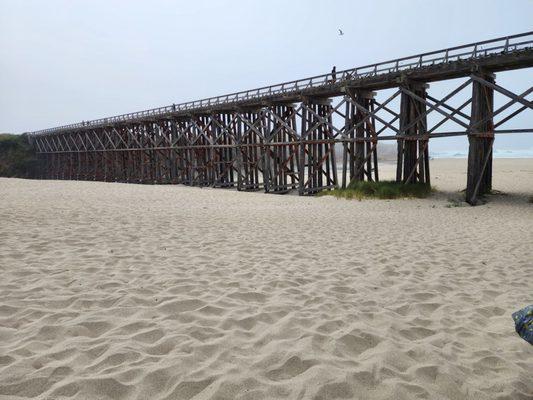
[(116, 291)]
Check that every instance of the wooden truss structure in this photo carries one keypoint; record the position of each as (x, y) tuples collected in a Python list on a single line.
[(310, 137)]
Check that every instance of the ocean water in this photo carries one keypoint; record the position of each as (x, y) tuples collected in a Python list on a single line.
[(497, 153)]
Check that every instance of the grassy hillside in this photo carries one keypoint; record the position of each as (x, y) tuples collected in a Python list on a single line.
[(17, 158)]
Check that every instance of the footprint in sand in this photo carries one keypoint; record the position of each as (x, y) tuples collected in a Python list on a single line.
[(179, 306), (357, 343), (336, 390), (416, 333), (188, 389), (150, 336), (292, 367), (249, 296)]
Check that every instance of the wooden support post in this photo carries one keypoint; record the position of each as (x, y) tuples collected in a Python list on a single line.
[(173, 159), (413, 153), (280, 172), (250, 149), (223, 149), (480, 139), (318, 168), (360, 154)]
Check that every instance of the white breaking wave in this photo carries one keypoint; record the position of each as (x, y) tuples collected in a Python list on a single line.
[(497, 153)]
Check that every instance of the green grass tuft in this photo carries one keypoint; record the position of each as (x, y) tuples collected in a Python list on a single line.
[(381, 190)]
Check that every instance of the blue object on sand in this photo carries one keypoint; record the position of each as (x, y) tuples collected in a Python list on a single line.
[(523, 320)]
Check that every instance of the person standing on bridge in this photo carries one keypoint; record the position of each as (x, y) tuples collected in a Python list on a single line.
[(334, 74)]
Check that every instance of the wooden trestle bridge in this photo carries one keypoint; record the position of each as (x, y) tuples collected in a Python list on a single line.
[(283, 137)]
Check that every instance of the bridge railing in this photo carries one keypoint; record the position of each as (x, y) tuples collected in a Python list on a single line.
[(466, 52)]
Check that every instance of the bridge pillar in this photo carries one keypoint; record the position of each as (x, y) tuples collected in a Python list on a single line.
[(250, 150), (70, 166), (224, 154), (160, 163), (413, 149), (143, 154), (79, 168), (280, 172), (57, 165), (164, 154), (480, 139), (105, 156), (181, 142), (52, 164), (147, 135), (360, 156), (126, 154), (173, 152), (201, 142), (317, 149), (60, 166), (95, 167), (161, 153), (139, 168), (149, 170), (42, 165), (136, 154)]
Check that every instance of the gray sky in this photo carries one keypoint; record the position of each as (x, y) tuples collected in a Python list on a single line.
[(66, 61)]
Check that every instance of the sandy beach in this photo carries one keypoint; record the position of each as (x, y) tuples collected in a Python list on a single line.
[(117, 291)]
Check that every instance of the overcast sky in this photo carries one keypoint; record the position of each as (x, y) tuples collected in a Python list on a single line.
[(64, 61)]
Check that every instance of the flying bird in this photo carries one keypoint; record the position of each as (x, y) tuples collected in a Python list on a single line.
[(341, 32)]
